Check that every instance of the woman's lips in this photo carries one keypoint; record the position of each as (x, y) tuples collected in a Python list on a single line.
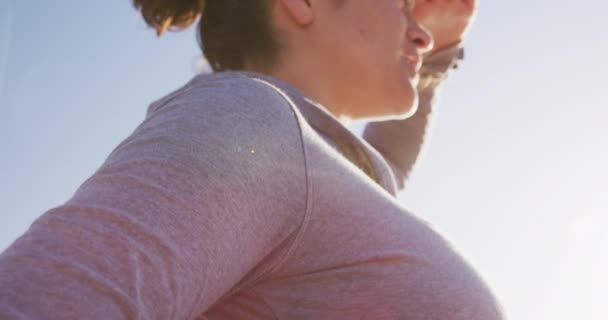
[(413, 60)]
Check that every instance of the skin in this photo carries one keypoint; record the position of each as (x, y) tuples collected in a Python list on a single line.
[(447, 20), (371, 57), (367, 66)]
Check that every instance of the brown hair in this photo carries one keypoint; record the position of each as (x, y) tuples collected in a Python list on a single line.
[(231, 33)]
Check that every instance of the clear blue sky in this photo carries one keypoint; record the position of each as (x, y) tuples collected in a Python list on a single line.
[(516, 175)]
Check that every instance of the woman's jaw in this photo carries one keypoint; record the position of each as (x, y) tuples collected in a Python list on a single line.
[(360, 61)]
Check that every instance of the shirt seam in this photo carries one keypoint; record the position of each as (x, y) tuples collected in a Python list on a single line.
[(308, 179)]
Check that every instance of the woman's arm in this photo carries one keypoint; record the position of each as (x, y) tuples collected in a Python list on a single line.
[(207, 187), (401, 141)]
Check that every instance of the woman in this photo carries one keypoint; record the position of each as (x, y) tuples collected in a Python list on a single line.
[(242, 196)]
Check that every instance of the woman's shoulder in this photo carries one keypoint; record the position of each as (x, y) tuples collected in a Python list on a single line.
[(226, 115), (224, 93)]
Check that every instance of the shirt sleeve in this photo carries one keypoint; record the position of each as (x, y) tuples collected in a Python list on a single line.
[(401, 141), (206, 187)]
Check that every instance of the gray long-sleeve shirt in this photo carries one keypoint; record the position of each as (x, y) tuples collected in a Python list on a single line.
[(229, 202)]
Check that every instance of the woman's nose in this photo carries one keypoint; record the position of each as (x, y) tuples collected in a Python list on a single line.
[(420, 36)]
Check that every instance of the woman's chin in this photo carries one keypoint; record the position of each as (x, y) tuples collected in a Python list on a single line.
[(405, 112), (399, 111), (407, 106), (399, 103)]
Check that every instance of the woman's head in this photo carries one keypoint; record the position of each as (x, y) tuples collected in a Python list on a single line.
[(359, 58)]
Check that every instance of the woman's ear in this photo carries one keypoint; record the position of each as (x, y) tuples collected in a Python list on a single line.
[(299, 10)]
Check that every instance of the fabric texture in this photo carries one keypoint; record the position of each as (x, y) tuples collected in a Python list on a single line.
[(231, 200)]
